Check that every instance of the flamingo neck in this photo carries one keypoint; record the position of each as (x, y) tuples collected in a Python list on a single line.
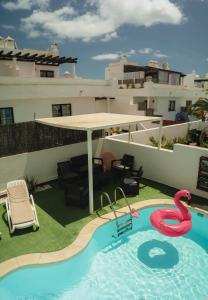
[(184, 211)]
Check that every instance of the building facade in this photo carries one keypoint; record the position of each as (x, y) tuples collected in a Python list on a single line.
[(31, 87)]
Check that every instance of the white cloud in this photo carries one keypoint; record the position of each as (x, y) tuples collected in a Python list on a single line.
[(119, 54), (102, 18), (8, 27), (158, 54), (131, 52), (42, 22), (109, 36), (107, 56), (114, 56), (145, 51), (26, 4)]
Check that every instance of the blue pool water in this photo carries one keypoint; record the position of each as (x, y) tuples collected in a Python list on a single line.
[(141, 265)]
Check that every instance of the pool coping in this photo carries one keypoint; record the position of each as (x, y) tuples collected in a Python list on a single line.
[(81, 240)]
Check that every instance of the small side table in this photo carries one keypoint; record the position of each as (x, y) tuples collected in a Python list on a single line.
[(76, 194), (130, 186)]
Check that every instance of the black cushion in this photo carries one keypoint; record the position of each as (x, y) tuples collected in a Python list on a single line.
[(65, 172)]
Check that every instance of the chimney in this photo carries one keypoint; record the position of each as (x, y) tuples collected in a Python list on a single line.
[(165, 66), (1, 42), (66, 74), (9, 43), (73, 70), (153, 64), (54, 48)]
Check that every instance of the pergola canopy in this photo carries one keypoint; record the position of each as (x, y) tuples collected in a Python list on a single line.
[(95, 121), (91, 122)]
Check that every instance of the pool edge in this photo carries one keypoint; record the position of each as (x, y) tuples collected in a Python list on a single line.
[(80, 242)]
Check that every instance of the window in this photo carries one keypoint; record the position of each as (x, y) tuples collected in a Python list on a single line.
[(174, 78), (142, 105), (163, 77), (60, 110), (46, 73), (188, 103), (6, 115), (171, 106)]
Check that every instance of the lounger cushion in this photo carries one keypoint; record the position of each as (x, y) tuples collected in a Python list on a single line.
[(18, 193), (21, 208), (21, 212)]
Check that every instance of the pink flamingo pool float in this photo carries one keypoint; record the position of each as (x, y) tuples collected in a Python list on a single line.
[(182, 215)]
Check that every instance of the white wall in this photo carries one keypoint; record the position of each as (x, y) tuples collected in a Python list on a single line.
[(40, 164), (35, 96), (125, 105), (35, 88), (101, 106), (7, 68), (142, 136), (163, 105), (25, 111), (189, 80), (178, 168), (17, 68), (114, 70)]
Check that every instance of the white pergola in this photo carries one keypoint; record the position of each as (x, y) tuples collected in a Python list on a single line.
[(97, 121)]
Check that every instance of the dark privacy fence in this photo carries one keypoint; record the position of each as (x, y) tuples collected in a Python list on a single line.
[(31, 136)]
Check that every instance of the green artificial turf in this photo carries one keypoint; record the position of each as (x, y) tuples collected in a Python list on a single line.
[(59, 225)]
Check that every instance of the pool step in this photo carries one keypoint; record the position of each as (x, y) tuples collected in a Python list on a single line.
[(124, 226)]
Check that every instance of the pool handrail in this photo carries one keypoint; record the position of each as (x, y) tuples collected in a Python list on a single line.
[(110, 202), (118, 188)]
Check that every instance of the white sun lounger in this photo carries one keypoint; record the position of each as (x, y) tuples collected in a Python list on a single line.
[(20, 206)]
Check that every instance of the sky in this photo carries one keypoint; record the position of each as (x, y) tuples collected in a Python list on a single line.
[(100, 32)]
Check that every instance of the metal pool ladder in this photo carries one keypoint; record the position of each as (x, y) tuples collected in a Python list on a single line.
[(123, 226)]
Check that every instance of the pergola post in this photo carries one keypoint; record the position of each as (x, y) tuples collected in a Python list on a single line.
[(160, 134), (90, 170), (129, 135)]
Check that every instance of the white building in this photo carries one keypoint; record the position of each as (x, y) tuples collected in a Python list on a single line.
[(31, 87), (151, 89)]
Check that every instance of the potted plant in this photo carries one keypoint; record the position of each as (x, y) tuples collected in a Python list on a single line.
[(31, 184)]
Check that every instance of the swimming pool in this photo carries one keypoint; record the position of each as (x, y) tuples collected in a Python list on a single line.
[(141, 264)]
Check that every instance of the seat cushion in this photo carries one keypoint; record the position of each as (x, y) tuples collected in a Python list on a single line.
[(121, 167), (129, 181), (18, 193), (21, 212)]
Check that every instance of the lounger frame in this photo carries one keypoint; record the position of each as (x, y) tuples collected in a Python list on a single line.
[(34, 222)]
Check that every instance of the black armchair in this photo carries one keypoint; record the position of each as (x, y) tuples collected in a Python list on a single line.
[(136, 174), (65, 172), (126, 163)]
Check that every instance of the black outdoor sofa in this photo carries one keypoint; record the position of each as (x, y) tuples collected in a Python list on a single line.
[(73, 178)]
